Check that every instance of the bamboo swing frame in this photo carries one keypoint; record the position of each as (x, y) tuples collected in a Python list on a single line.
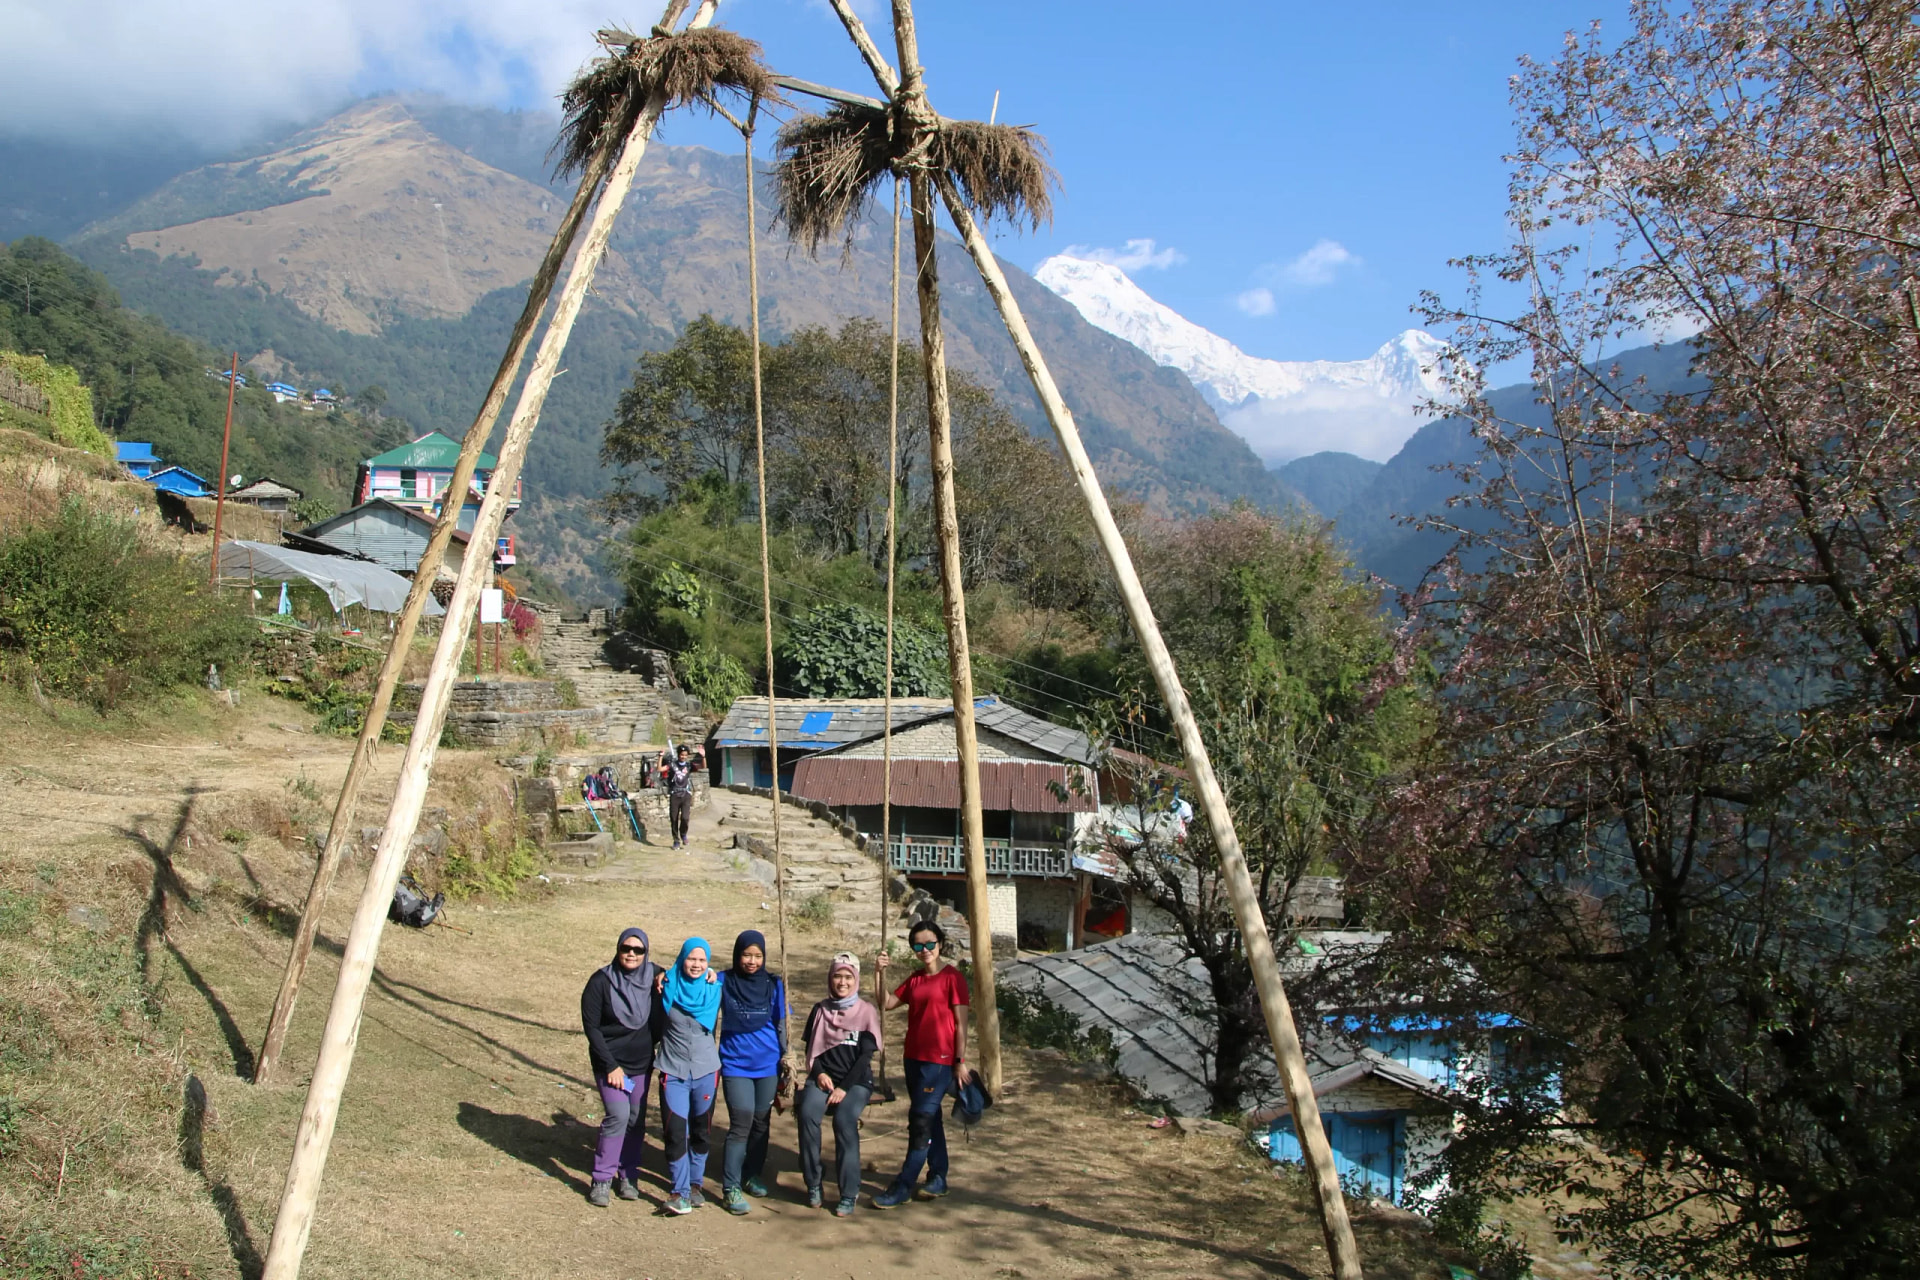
[(906, 92)]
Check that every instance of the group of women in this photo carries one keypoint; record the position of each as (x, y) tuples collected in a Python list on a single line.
[(709, 1034)]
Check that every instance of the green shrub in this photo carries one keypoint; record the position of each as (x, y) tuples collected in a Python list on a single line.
[(91, 613), (712, 676), (840, 651), (1037, 1022), (815, 912), (71, 404)]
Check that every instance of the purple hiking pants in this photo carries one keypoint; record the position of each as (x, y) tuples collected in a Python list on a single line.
[(623, 1134)]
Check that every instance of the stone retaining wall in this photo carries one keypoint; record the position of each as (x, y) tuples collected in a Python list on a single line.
[(503, 713), (848, 871)]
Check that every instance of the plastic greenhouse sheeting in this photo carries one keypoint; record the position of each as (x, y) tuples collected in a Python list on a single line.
[(345, 581)]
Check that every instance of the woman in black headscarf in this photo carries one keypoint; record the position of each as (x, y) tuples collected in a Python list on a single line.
[(753, 1041), (615, 1010)]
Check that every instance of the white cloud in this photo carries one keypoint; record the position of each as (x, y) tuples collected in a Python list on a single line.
[(1256, 302), (1317, 266), (218, 71), (1137, 255)]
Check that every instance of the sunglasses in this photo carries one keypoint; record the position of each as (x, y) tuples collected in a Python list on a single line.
[(633, 951), (925, 946)]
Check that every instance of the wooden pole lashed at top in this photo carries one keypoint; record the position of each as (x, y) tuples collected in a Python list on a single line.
[(339, 833), (1248, 917), (294, 1223), (886, 723)]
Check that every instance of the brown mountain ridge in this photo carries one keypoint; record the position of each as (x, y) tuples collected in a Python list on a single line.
[(374, 225)]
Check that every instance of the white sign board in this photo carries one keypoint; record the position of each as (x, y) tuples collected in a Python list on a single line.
[(492, 604)]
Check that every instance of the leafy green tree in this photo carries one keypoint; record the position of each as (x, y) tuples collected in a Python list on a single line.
[(1305, 706), (688, 414), (1670, 820)]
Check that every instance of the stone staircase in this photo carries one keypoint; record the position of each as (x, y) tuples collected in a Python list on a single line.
[(819, 858), (575, 649)]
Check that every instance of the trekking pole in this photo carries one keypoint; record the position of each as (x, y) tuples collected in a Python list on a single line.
[(444, 923)]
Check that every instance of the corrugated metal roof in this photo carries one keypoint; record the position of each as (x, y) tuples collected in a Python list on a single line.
[(815, 723), (1157, 1003), (824, 723), (432, 451), (1044, 735), (1020, 785)]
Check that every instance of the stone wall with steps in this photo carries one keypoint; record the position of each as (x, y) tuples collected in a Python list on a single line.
[(640, 709), (822, 855), (504, 713)]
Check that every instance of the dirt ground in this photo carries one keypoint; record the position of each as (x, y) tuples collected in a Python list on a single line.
[(466, 1131)]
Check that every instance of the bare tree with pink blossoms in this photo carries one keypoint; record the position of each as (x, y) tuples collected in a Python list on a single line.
[(1669, 820)]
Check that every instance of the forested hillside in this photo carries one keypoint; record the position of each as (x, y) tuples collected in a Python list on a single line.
[(150, 383)]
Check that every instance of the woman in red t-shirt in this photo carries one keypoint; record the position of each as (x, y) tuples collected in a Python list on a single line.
[(936, 998)]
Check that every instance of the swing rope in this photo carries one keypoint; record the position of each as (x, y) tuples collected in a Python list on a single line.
[(766, 576)]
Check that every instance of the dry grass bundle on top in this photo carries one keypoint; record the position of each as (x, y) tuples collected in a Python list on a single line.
[(830, 164), (691, 67)]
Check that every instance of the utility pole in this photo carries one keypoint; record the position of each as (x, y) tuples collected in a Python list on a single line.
[(220, 491)]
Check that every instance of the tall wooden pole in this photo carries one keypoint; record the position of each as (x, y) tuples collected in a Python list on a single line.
[(886, 723), (424, 576), (1274, 1006), (220, 490), (294, 1223), (986, 1016), (1248, 917)]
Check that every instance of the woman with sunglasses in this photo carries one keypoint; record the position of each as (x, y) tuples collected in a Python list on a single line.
[(689, 1067), (843, 1034), (616, 1010), (937, 1000), (753, 1041)]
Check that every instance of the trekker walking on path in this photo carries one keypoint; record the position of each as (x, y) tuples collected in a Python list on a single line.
[(843, 1034), (676, 774), (753, 1042), (616, 1011), (689, 1067), (937, 999)]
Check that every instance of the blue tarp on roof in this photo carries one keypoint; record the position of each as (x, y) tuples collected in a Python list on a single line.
[(814, 723), (130, 451), (181, 481)]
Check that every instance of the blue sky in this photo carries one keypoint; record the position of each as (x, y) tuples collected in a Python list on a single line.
[(1334, 156), (1311, 166)]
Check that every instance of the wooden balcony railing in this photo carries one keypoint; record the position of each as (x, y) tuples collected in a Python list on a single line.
[(948, 856)]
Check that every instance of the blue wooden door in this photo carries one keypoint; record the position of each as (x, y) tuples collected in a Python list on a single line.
[(1368, 1150)]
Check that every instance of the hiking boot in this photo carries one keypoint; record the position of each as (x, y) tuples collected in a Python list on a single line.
[(598, 1194), (737, 1201), (893, 1197), (678, 1206), (697, 1198), (814, 1200), (935, 1187), (624, 1188), (755, 1187), (844, 1209)]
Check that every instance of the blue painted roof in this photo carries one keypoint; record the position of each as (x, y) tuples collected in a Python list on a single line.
[(129, 451), (180, 480)]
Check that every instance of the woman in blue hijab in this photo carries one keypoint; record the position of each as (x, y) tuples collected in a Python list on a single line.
[(753, 1040), (615, 1011), (689, 1067)]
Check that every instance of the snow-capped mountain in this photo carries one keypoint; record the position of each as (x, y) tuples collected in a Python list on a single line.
[(1284, 408)]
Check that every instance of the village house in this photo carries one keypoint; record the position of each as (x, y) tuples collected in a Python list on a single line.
[(1389, 1087), (180, 481), (389, 534), (137, 458), (417, 476), (1038, 793), (266, 493)]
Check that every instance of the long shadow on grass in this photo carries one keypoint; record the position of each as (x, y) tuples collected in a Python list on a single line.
[(193, 1128), (392, 990), (1051, 1215), (167, 887), (556, 1149)]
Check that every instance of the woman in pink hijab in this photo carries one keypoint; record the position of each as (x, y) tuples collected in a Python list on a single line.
[(843, 1034)]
